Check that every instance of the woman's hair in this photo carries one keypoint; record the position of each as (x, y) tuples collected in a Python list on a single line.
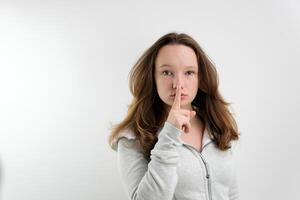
[(147, 113)]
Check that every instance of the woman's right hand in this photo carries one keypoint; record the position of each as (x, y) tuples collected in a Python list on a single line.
[(180, 118)]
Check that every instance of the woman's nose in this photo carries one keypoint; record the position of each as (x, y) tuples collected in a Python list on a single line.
[(175, 87), (175, 83)]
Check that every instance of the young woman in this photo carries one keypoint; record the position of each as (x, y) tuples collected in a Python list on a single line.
[(175, 142)]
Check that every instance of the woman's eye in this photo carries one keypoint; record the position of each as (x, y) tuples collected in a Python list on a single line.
[(191, 72), (165, 72)]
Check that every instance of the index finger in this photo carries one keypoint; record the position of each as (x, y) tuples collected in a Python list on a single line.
[(177, 99)]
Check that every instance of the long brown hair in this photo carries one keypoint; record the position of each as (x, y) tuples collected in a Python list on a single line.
[(146, 113)]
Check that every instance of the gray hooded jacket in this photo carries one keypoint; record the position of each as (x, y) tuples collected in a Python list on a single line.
[(177, 171)]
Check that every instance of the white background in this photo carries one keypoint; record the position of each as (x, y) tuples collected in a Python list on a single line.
[(64, 80)]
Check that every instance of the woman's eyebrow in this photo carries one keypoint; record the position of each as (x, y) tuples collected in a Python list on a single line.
[(167, 65), (164, 65)]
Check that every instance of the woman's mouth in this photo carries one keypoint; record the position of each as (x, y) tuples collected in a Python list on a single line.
[(182, 95)]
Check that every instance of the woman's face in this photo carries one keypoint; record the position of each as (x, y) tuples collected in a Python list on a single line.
[(176, 65)]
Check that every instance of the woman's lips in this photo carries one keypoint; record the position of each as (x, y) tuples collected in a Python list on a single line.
[(182, 96), (173, 95)]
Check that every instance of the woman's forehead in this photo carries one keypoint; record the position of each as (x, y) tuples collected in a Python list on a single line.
[(176, 55)]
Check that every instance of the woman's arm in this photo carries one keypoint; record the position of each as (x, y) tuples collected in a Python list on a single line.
[(154, 180), (233, 188)]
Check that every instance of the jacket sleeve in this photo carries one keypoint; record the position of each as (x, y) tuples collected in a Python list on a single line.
[(234, 188), (152, 180)]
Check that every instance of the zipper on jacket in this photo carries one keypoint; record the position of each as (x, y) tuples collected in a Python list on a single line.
[(207, 177), (206, 168)]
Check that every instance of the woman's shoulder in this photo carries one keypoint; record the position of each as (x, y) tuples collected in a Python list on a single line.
[(125, 137)]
